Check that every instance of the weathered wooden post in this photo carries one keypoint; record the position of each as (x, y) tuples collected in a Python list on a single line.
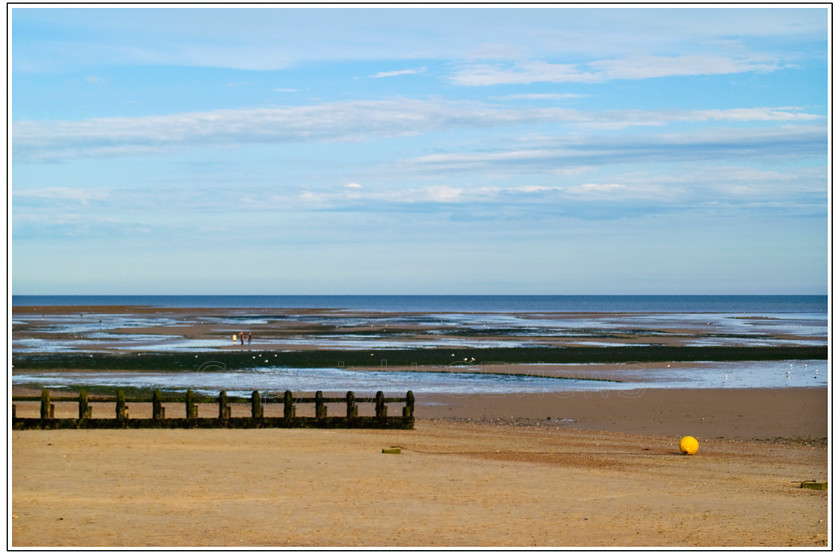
[(224, 407), (288, 405), (352, 408), (408, 409), (381, 408), (84, 408), (320, 407), (47, 408), (256, 406), (192, 409), (122, 409), (158, 411)]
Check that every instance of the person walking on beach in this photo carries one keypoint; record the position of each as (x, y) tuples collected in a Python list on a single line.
[(234, 340), (249, 338), (242, 338)]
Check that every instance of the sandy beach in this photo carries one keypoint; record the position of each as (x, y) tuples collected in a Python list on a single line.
[(475, 472), (453, 484), (573, 469)]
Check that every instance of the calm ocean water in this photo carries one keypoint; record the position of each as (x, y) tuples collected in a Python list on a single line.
[(753, 304)]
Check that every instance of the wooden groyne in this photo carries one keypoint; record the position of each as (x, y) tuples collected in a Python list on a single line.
[(190, 419)]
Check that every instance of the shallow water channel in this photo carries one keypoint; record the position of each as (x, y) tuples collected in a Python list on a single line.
[(765, 374)]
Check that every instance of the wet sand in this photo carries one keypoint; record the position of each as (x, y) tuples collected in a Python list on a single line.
[(736, 414), (277, 329)]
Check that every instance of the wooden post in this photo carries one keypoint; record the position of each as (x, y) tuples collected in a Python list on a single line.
[(122, 409), (84, 409), (381, 408), (224, 408), (352, 408), (47, 408), (192, 410), (320, 407), (256, 407), (408, 410), (158, 411), (288, 405)]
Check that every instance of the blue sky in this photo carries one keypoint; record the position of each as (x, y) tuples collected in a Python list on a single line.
[(411, 150)]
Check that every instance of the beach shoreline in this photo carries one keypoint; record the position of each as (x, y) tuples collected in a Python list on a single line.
[(559, 469)]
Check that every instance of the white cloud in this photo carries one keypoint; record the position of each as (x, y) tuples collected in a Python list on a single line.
[(399, 72), (598, 151), (331, 122), (637, 67), (353, 186), (522, 73), (647, 67), (327, 199), (442, 193)]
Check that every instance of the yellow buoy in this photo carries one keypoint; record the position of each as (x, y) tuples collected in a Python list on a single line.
[(689, 445)]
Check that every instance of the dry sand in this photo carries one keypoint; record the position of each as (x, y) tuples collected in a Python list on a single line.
[(498, 480), (452, 485)]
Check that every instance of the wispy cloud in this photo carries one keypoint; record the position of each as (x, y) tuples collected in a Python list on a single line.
[(638, 67), (647, 67), (399, 72), (645, 191), (523, 73), (719, 144), (381, 198), (338, 121)]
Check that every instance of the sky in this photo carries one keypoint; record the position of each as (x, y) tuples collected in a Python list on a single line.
[(419, 150)]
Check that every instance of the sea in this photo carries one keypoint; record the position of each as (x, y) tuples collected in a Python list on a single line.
[(753, 304), (803, 315)]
